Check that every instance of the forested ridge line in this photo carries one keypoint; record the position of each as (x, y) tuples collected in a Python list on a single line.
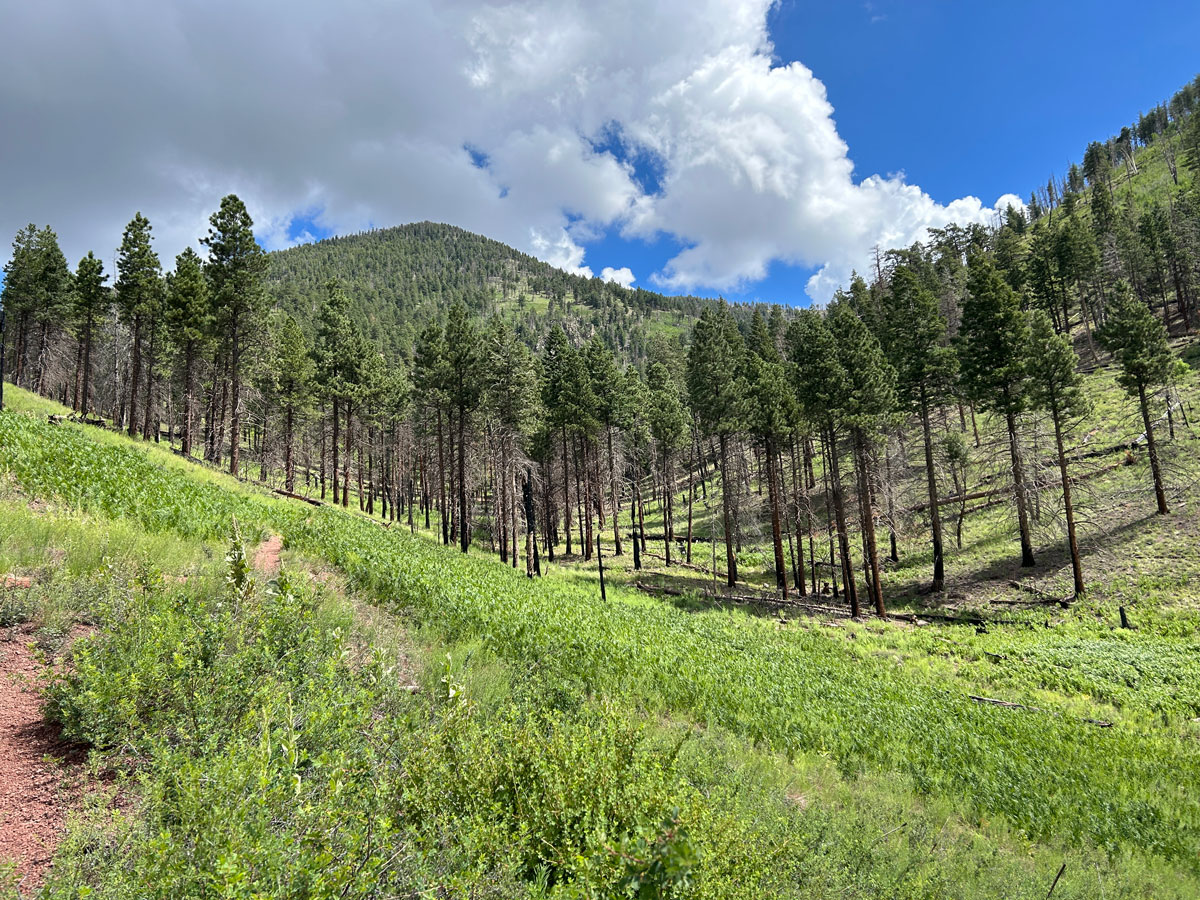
[(415, 384)]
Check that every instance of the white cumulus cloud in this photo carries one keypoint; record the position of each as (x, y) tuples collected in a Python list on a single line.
[(361, 114), (622, 276)]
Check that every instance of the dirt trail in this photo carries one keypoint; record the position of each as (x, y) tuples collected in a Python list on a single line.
[(266, 555), (32, 803)]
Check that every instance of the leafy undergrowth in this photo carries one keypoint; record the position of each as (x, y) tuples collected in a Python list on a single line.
[(265, 757)]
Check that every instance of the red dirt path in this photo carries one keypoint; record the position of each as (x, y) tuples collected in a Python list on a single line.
[(266, 555), (32, 804)]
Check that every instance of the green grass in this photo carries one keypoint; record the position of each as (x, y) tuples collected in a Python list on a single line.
[(809, 693)]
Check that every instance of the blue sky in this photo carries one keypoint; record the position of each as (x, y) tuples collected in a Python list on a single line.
[(674, 138)]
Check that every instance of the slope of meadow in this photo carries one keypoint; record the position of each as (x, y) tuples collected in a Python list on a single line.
[(561, 746)]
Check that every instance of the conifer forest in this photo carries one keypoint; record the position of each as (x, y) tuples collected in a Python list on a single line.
[(405, 564)]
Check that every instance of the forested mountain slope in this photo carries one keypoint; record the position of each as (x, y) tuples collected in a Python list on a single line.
[(399, 279)]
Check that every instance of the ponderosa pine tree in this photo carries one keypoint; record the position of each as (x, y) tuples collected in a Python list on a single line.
[(511, 395), (236, 265), (994, 341), (577, 411), (639, 457), (1138, 343), (915, 341), (607, 384), (333, 357), (668, 427), (92, 302), (189, 323), (464, 390), (717, 393), (770, 412), (1056, 387), (139, 290), (18, 296), (52, 300), (867, 405), (292, 364), (821, 385), (430, 379), (557, 350)]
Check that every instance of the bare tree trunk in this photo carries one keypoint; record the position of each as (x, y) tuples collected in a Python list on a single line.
[(839, 512), (1159, 494), (442, 481), (867, 514), (135, 361), (235, 400), (726, 504), (566, 491), (1072, 543), (776, 529), (616, 500), (335, 450), (935, 517), (1019, 492), (349, 454), (464, 517)]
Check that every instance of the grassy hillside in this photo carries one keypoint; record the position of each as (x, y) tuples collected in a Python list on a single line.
[(565, 746)]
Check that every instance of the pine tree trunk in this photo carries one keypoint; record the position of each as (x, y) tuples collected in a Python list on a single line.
[(235, 400), (798, 485), (349, 454), (335, 451), (634, 505), (323, 456), (1019, 492), (616, 505), (726, 507), (839, 513), (289, 466), (148, 406), (442, 482), (43, 348), (135, 375), (935, 515), (85, 396), (666, 505), (566, 492), (78, 374), (1068, 505), (464, 518), (691, 492), (1151, 447), (776, 529), (867, 510)]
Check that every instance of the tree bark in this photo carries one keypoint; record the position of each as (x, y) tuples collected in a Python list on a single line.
[(867, 514), (1151, 447), (935, 518), (616, 507), (839, 513), (1019, 491), (776, 529), (464, 519), (235, 399), (135, 375), (726, 506), (1072, 543)]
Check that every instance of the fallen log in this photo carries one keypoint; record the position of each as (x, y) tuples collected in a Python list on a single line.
[(1008, 704), (294, 496)]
